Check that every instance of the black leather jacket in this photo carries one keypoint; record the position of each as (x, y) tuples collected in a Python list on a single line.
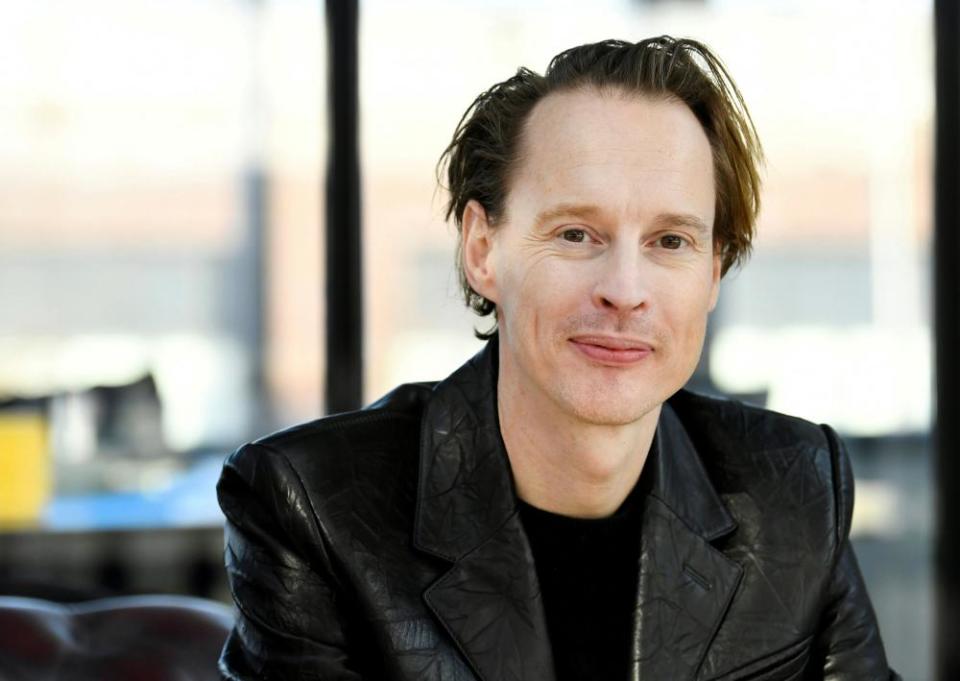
[(385, 544)]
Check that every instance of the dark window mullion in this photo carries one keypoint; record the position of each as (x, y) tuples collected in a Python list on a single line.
[(344, 293)]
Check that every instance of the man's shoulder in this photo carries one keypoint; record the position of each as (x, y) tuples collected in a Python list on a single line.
[(725, 423), (375, 441), (768, 464), (361, 428), (344, 483)]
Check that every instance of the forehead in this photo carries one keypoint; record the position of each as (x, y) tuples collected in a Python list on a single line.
[(622, 150)]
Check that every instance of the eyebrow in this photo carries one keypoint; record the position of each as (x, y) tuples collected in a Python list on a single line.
[(683, 220), (588, 211), (564, 210)]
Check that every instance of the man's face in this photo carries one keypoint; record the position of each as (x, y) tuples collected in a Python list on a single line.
[(603, 270)]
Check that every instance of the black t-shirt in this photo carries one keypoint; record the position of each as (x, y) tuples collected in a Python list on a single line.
[(588, 570)]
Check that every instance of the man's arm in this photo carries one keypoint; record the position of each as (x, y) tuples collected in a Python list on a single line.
[(848, 644), (289, 624)]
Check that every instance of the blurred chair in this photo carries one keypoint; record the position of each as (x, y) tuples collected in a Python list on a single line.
[(142, 638)]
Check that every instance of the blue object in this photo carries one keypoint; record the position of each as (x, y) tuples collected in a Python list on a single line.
[(189, 500)]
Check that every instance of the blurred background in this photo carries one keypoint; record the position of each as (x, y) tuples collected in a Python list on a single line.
[(162, 257)]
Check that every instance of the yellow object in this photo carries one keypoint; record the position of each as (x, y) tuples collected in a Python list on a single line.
[(25, 478)]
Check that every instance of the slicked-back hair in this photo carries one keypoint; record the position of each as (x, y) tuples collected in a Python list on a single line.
[(486, 146)]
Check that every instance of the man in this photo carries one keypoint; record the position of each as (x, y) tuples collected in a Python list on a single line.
[(559, 508)]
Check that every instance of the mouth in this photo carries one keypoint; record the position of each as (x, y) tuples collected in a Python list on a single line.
[(613, 350)]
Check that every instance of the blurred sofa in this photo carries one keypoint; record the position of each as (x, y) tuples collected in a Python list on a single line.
[(139, 638)]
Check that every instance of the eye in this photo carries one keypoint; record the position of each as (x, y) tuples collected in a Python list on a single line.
[(672, 242), (574, 236)]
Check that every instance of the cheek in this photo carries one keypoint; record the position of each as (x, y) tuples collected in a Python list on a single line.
[(685, 305), (543, 287)]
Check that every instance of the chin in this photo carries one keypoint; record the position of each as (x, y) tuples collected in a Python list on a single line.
[(609, 417), (609, 409)]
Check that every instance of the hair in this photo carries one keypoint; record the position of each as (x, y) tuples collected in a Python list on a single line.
[(486, 146)]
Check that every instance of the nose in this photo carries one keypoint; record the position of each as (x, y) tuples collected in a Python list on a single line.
[(622, 285)]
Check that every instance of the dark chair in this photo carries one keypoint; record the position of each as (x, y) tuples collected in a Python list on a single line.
[(128, 638)]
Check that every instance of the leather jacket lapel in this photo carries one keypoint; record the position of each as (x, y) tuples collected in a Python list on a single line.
[(489, 600), (684, 590), (685, 584)]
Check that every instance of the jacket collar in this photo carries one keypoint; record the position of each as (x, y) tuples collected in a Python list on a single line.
[(490, 601), (685, 584), (681, 482), (465, 491)]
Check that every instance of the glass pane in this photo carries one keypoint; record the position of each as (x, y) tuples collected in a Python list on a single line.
[(160, 261)]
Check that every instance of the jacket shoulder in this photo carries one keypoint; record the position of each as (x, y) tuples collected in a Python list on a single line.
[(340, 452), (398, 408), (767, 463), (744, 425)]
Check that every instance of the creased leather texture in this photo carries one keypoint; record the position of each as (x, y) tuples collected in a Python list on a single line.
[(386, 544)]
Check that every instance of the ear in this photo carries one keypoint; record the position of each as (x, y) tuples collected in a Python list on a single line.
[(715, 284), (477, 245)]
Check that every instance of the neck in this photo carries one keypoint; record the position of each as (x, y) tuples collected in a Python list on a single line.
[(565, 465)]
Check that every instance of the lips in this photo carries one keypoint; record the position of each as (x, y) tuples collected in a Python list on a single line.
[(613, 350)]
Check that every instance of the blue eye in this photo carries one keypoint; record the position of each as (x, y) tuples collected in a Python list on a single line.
[(574, 236)]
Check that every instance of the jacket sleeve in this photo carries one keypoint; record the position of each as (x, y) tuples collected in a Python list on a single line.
[(848, 645), (289, 622)]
